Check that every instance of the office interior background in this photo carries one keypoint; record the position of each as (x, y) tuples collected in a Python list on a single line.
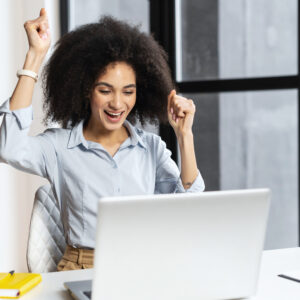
[(238, 61)]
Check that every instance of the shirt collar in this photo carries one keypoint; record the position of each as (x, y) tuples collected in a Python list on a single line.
[(76, 136), (134, 136)]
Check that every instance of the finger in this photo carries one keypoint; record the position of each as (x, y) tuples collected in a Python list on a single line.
[(42, 20), (172, 94), (184, 106), (43, 30), (170, 97), (178, 107), (180, 112), (44, 34), (43, 12), (39, 25), (43, 15)]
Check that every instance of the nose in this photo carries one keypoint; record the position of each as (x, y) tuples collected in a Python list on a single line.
[(116, 101)]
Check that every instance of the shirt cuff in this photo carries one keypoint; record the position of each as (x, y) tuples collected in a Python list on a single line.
[(24, 116), (197, 186)]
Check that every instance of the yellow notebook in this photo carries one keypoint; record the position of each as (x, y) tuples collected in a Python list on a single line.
[(16, 285)]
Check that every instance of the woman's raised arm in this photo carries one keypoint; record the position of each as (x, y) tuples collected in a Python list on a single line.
[(181, 113), (38, 35), (32, 154)]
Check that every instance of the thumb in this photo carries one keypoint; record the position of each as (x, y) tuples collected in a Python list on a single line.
[(43, 12), (170, 96)]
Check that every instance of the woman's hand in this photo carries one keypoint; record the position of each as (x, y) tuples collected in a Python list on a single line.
[(38, 34), (181, 113)]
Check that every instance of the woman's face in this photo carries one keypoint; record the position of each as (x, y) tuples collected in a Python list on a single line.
[(113, 96)]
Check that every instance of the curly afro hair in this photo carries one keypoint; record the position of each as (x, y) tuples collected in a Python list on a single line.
[(82, 55)]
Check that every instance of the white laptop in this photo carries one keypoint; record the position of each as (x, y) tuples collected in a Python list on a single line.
[(178, 246)]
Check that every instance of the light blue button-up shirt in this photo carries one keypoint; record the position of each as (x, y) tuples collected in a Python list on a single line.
[(81, 171)]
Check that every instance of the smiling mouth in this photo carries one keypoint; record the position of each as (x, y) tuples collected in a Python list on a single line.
[(114, 115)]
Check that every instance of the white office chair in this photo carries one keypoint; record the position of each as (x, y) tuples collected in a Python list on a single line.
[(46, 241)]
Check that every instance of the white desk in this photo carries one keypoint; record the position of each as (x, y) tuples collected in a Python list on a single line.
[(270, 287)]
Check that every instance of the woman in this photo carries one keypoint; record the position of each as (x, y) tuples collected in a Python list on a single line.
[(101, 78)]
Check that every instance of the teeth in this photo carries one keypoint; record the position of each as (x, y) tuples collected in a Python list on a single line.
[(114, 114)]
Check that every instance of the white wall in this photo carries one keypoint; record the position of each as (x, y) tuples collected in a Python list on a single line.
[(17, 188)]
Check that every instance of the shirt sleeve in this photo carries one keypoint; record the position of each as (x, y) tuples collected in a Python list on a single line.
[(35, 155), (168, 175)]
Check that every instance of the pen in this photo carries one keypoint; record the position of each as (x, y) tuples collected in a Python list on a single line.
[(289, 278), (9, 275)]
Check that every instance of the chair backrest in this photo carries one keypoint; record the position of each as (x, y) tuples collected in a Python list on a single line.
[(46, 241)]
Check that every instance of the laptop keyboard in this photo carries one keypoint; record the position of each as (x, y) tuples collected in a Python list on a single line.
[(88, 294)]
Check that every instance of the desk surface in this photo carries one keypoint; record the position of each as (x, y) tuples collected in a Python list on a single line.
[(270, 286)]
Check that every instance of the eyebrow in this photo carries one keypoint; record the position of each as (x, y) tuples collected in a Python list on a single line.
[(110, 86)]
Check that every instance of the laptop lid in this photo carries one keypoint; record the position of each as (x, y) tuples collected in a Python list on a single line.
[(180, 246)]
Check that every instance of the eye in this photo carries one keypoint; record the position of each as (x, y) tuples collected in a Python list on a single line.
[(104, 92), (128, 93)]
